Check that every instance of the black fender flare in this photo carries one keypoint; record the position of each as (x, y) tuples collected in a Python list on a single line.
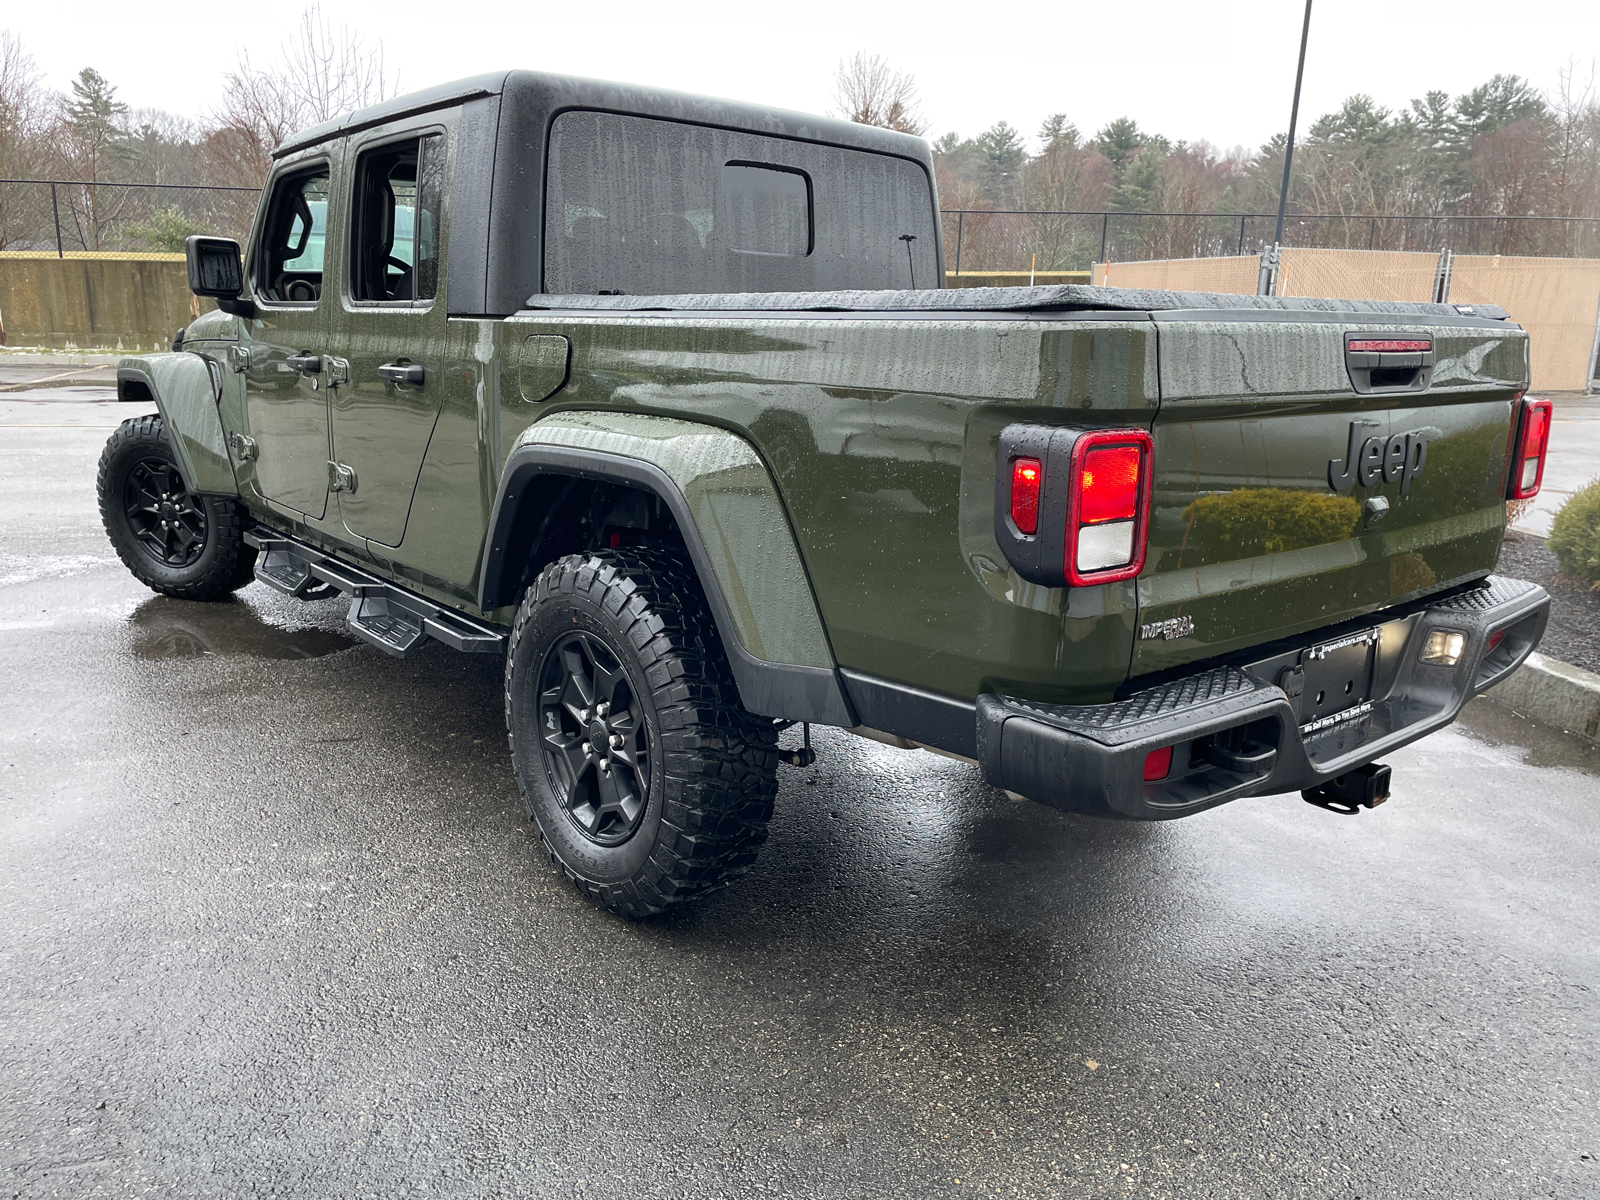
[(789, 691), (184, 389)]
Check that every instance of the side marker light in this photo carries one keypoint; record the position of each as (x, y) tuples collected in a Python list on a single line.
[(1158, 764), (1026, 474)]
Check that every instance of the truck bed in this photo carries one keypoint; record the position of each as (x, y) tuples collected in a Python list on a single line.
[(879, 414)]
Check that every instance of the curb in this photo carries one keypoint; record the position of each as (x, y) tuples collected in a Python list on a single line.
[(1554, 693), (63, 358)]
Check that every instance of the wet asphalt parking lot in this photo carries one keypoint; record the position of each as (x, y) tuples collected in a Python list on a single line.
[(272, 923)]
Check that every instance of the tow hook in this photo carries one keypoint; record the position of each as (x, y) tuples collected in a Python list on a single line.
[(1348, 794), (802, 757)]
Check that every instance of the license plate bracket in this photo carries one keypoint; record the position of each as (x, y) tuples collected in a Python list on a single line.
[(1338, 676)]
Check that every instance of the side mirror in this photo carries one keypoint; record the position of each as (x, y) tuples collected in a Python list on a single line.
[(215, 269)]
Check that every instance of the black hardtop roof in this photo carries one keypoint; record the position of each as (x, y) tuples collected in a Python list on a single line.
[(553, 93)]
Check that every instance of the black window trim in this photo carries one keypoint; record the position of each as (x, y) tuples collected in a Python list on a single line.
[(811, 198), (321, 159), (358, 151)]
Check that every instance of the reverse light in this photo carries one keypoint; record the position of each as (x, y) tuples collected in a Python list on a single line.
[(1533, 438), (1158, 764), (1108, 506), (1026, 474), (1444, 647)]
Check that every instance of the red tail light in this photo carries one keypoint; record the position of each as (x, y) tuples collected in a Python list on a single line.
[(1495, 638), (1026, 474), (1108, 507), (1158, 764), (1533, 437), (1110, 484)]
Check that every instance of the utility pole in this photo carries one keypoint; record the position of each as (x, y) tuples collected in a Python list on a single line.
[(1269, 261)]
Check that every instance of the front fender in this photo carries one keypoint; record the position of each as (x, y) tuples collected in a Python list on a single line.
[(738, 535), (182, 387)]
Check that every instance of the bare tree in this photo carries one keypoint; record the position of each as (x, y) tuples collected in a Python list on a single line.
[(1575, 144), (322, 73), (24, 120), (1065, 177), (870, 92)]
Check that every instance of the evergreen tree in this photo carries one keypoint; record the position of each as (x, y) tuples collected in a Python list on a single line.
[(1056, 132), (97, 120), (1001, 153)]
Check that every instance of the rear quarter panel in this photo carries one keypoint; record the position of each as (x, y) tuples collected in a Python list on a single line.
[(881, 435)]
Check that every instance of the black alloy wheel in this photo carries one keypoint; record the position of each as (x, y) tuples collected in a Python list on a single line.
[(595, 739), (163, 517), (172, 539), (647, 781)]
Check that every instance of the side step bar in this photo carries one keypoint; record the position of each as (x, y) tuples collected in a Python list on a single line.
[(387, 616)]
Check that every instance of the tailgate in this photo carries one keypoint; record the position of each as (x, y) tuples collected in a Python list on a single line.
[(1249, 539)]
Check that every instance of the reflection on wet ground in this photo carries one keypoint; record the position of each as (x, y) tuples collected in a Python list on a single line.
[(1528, 742), (165, 627), (278, 922)]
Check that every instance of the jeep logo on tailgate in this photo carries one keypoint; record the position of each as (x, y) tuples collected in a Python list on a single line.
[(1400, 457)]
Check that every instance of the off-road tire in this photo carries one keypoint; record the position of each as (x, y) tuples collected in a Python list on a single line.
[(223, 563), (713, 765)]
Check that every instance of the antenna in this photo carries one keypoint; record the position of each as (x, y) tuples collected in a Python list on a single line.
[(908, 238)]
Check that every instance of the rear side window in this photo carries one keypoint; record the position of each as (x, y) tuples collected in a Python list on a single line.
[(394, 241), (639, 206)]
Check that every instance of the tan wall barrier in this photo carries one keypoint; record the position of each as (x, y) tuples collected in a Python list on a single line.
[(1236, 276), (972, 279), (137, 301), (1358, 274), (1557, 300), (130, 302)]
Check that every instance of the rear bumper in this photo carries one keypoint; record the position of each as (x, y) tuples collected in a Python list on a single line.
[(1235, 732)]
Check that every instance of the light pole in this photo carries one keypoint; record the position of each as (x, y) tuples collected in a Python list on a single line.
[(1269, 261)]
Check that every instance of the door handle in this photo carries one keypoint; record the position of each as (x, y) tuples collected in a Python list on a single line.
[(402, 372), (306, 364)]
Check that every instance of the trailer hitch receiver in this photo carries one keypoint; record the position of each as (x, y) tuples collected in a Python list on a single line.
[(1348, 794)]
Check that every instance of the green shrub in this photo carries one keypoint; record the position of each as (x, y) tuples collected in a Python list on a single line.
[(166, 230), (1575, 534)]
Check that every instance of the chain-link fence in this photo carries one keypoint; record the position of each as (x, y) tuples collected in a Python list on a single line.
[(73, 218), (984, 240), (68, 217)]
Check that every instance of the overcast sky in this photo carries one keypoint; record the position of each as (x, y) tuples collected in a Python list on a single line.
[(1219, 70)]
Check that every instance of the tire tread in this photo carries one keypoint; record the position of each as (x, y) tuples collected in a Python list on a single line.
[(720, 761), (234, 564)]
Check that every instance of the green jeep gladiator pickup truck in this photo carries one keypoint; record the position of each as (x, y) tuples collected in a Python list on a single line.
[(660, 398)]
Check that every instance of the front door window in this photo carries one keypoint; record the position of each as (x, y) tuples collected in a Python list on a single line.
[(289, 266)]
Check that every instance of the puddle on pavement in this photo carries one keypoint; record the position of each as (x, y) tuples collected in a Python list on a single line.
[(167, 628)]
